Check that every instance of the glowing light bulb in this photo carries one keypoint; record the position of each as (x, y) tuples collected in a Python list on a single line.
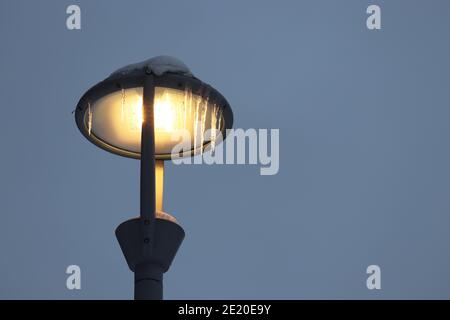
[(165, 115)]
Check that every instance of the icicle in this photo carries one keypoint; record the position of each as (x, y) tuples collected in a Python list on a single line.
[(218, 124), (123, 104), (190, 110), (213, 128), (186, 97), (89, 118), (196, 122), (203, 124)]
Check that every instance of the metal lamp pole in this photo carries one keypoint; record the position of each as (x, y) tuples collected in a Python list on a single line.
[(147, 278), (149, 244)]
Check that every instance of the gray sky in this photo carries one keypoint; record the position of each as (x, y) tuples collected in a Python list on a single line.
[(364, 121)]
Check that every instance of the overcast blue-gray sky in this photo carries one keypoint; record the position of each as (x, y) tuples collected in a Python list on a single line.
[(364, 119)]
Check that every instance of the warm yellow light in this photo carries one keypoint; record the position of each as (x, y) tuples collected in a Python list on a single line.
[(117, 118), (159, 192), (159, 184), (164, 113), (131, 115)]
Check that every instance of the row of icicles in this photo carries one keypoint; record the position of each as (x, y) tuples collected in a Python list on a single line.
[(201, 108)]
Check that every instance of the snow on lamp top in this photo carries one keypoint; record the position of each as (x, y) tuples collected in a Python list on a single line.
[(158, 66)]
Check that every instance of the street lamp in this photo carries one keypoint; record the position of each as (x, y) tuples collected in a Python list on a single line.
[(137, 112)]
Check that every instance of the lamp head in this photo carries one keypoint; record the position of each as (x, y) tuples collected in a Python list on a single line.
[(187, 111)]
